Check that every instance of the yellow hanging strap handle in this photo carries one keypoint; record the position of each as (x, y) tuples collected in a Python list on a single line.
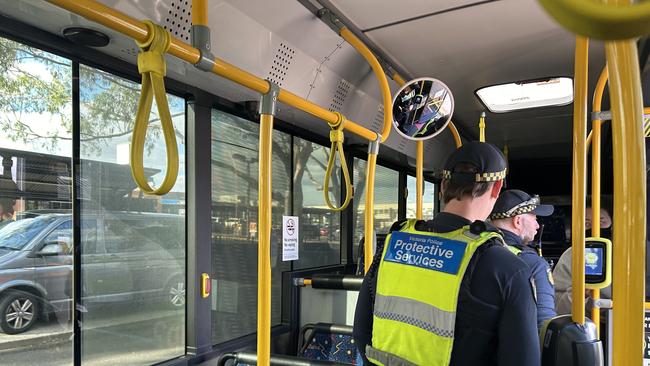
[(336, 137), (152, 67), (595, 19)]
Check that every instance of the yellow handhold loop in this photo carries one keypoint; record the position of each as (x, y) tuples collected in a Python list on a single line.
[(594, 19), (336, 137), (152, 67)]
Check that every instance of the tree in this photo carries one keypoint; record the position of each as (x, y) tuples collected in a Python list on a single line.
[(35, 81)]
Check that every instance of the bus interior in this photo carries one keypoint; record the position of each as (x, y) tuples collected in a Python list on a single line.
[(98, 268)]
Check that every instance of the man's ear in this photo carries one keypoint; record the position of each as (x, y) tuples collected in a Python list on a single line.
[(516, 222), (496, 189)]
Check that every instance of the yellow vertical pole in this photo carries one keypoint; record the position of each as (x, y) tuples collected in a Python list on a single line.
[(579, 177), (419, 178), (419, 164), (629, 200), (267, 111), (200, 12), (481, 127), (595, 180), (370, 205), (381, 78), (264, 246)]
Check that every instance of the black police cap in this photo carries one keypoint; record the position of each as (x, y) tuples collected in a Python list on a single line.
[(515, 202), (485, 157)]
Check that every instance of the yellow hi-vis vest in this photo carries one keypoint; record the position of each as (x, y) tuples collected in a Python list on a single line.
[(418, 282)]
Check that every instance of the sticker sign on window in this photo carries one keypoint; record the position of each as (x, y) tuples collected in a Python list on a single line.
[(289, 238)]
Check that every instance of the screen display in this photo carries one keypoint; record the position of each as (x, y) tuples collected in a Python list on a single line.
[(594, 261)]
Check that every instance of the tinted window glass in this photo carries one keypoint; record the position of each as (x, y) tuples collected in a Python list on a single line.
[(35, 180), (386, 199), (319, 231), (235, 169), (428, 199), (138, 283)]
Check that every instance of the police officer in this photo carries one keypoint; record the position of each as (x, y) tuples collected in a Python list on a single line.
[(448, 291), (515, 214)]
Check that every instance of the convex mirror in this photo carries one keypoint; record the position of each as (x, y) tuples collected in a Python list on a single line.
[(422, 108)]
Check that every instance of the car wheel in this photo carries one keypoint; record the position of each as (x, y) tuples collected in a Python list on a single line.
[(175, 293), (19, 311)]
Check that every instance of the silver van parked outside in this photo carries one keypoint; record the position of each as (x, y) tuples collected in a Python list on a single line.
[(125, 257)]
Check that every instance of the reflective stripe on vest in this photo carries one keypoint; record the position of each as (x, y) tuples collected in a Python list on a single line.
[(384, 358), (418, 282), (415, 313)]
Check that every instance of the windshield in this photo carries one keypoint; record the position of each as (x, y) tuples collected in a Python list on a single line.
[(15, 235)]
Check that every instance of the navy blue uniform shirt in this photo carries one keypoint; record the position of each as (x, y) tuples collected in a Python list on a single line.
[(541, 273), (496, 318)]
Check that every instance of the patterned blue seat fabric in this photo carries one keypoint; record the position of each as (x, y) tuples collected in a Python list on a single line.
[(331, 347)]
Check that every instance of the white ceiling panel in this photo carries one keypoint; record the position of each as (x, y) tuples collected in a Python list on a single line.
[(476, 40), (493, 43), (367, 14)]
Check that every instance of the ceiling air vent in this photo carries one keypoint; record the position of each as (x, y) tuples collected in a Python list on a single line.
[(133, 52), (281, 62), (342, 90), (178, 20)]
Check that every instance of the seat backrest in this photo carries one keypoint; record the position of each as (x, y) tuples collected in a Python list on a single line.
[(567, 343)]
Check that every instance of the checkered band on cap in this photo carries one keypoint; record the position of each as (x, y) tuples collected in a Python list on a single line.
[(520, 209), (480, 177)]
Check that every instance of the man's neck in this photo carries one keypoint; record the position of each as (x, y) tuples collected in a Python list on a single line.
[(467, 209), (510, 235)]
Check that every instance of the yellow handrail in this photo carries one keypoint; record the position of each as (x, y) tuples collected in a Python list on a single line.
[(122, 23), (200, 12), (590, 18), (349, 37), (264, 246), (629, 201), (419, 178), (152, 67), (454, 132), (372, 156), (595, 180), (137, 30), (579, 177), (368, 232), (646, 111)]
